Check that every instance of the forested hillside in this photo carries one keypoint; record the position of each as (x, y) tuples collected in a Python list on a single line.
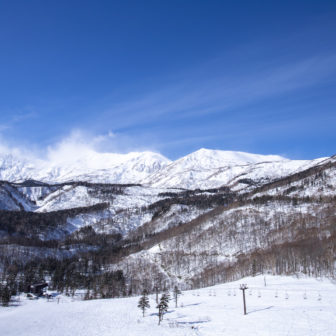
[(118, 239)]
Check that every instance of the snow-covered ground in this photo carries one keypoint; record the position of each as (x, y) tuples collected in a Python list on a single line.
[(285, 306)]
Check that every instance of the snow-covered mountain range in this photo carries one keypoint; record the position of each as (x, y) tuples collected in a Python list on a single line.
[(202, 169), (93, 167), (209, 217)]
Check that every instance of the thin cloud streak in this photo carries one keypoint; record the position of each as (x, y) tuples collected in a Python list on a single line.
[(17, 118), (198, 97)]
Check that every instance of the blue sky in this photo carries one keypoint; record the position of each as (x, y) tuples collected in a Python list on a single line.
[(169, 76)]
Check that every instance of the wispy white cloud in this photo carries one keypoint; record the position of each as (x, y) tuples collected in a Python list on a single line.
[(81, 143), (24, 115), (78, 144), (21, 150), (201, 96)]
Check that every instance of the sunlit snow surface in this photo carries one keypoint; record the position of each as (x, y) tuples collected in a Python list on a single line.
[(303, 307), (201, 169)]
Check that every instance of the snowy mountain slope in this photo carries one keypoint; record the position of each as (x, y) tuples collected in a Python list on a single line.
[(16, 168), (193, 171), (13, 199), (285, 306), (66, 197), (125, 207), (211, 159), (219, 240), (106, 167), (6, 201), (210, 169), (132, 206), (129, 206), (36, 193), (202, 169), (95, 167), (317, 181), (277, 223)]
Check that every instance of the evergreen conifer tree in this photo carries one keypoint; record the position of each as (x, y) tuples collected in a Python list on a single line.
[(144, 302), (163, 305)]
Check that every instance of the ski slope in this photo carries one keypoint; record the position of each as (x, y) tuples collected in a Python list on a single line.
[(302, 307)]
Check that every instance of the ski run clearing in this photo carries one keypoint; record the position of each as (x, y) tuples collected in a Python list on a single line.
[(285, 306)]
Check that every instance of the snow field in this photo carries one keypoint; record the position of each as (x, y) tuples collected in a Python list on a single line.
[(302, 307)]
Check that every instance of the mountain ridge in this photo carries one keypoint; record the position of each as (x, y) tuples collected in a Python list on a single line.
[(204, 167)]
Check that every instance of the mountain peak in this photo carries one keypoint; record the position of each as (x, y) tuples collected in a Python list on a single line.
[(202, 167), (214, 158)]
